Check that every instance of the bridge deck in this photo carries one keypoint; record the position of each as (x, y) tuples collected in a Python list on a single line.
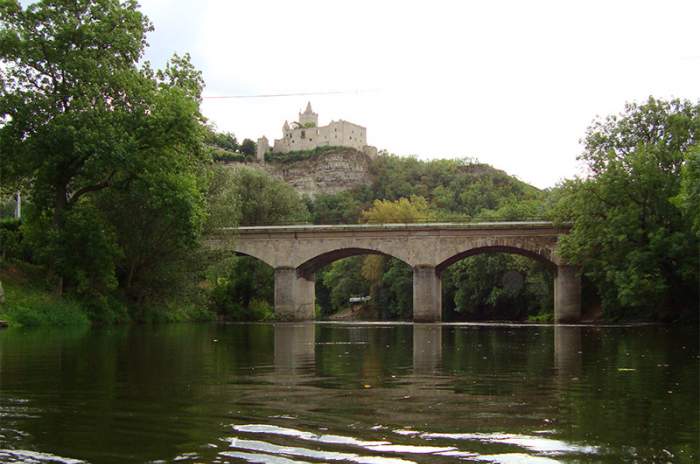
[(514, 225)]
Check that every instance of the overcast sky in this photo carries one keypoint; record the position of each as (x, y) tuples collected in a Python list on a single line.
[(511, 83)]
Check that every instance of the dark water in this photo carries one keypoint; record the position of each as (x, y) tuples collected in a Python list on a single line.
[(368, 394)]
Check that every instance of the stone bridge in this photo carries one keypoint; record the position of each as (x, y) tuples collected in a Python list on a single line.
[(297, 252)]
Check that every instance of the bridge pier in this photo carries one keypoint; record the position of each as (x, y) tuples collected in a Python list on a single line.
[(427, 294), (295, 297), (567, 294)]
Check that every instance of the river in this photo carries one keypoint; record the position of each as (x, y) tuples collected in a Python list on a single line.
[(356, 393)]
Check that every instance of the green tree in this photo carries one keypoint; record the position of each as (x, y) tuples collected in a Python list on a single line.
[(264, 200), (403, 210), (248, 148), (158, 220), (689, 198), (635, 244), (80, 116), (339, 208)]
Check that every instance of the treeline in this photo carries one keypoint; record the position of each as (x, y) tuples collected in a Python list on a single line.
[(117, 167)]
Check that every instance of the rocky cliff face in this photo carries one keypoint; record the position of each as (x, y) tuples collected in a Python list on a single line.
[(330, 172)]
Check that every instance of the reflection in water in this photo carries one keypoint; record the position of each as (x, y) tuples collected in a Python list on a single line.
[(427, 348), (373, 393), (295, 347), (567, 350)]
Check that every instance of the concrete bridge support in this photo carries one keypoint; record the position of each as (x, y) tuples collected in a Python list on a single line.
[(567, 294), (295, 297), (427, 294)]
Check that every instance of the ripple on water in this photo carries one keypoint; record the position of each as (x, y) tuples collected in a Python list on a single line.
[(254, 451), (33, 457), (537, 444)]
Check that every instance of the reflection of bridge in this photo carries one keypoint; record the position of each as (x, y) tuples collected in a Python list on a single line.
[(295, 348), (297, 252)]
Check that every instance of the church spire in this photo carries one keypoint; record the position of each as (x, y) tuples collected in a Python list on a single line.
[(308, 109)]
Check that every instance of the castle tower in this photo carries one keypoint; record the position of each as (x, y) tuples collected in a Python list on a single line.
[(308, 117), (262, 148)]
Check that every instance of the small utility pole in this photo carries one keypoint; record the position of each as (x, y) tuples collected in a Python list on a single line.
[(18, 205)]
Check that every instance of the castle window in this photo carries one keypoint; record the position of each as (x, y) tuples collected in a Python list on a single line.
[(303, 134)]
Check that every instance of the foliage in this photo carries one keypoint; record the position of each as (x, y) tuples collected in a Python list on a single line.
[(634, 242), (339, 208), (248, 148), (83, 251), (237, 282), (158, 221), (341, 280), (498, 286), (81, 119), (294, 156), (401, 211), (12, 245), (28, 303), (689, 197), (224, 140), (455, 189), (266, 201)]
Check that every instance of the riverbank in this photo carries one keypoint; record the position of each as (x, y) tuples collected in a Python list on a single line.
[(30, 302)]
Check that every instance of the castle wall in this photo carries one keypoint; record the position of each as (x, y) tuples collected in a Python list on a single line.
[(338, 133)]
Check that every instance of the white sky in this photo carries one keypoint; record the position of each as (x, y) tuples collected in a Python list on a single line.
[(512, 83)]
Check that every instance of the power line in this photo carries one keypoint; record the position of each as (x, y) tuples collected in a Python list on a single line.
[(296, 94)]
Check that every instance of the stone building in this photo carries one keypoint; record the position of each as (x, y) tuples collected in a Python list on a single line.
[(306, 134)]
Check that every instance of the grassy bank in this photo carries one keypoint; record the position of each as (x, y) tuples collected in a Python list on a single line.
[(30, 302)]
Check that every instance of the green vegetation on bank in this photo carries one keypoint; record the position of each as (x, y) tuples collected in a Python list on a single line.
[(224, 147), (29, 303), (294, 156)]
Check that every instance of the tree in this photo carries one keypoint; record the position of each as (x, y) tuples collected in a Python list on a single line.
[(403, 210), (264, 200), (80, 116), (248, 147), (689, 197), (633, 241)]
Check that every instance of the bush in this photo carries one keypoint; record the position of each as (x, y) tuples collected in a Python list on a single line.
[(30, 308), (11, 245), (302, 155)]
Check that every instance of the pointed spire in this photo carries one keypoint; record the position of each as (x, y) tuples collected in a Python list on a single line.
[(308, 109), (286, 126)]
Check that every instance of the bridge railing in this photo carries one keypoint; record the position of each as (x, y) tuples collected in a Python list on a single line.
[(441, 220)]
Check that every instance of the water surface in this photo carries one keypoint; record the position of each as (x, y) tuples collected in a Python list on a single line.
[(356, 393)]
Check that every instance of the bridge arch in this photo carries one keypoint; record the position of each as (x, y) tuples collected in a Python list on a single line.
[(537, 255), (309, 267)]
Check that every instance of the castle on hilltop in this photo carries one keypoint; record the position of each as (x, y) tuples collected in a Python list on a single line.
[(306, 134)]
